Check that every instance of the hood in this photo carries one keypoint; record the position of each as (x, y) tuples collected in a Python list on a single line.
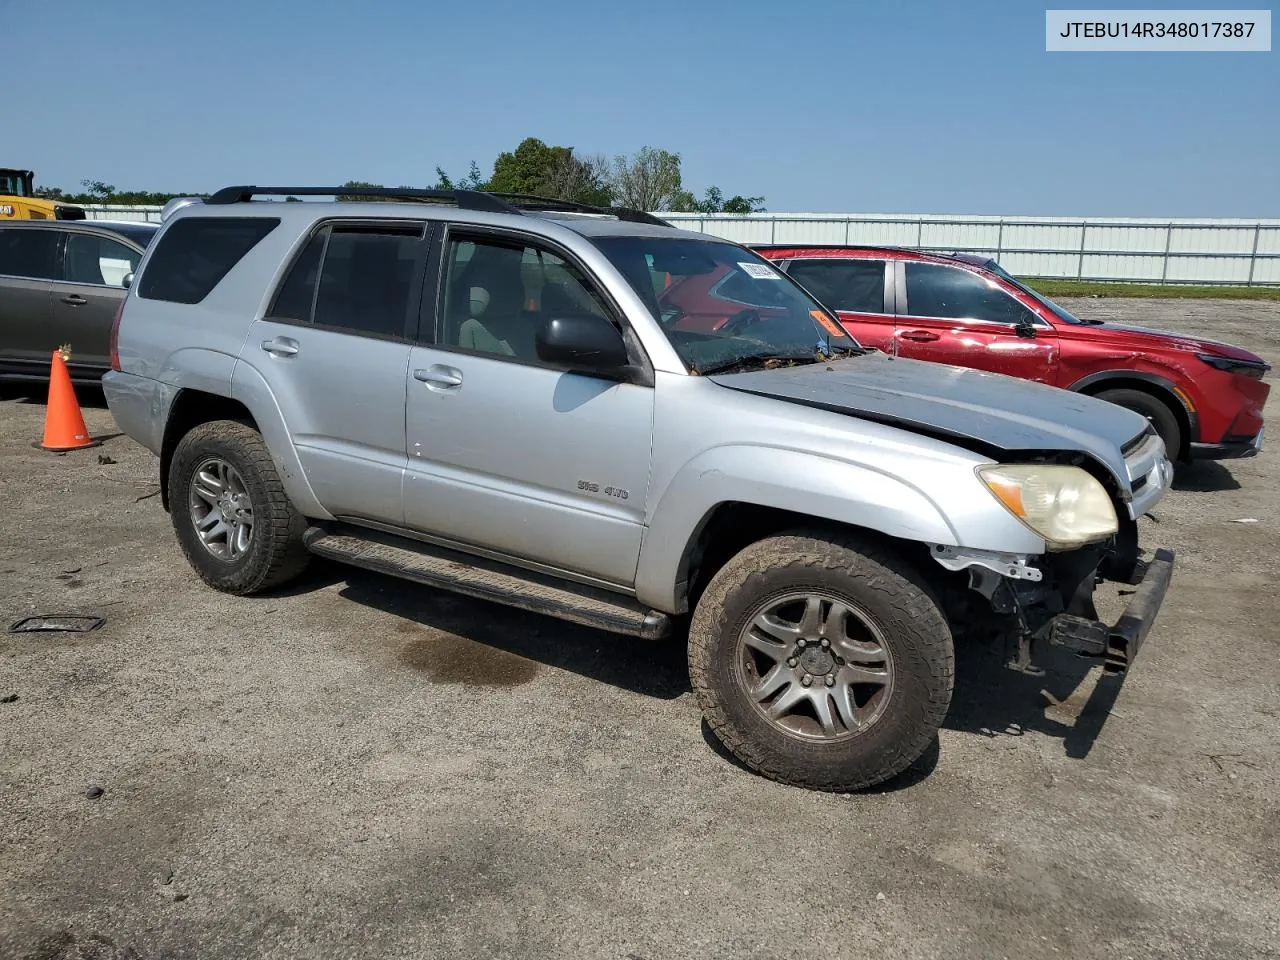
[(973, 407), (1137, 336)]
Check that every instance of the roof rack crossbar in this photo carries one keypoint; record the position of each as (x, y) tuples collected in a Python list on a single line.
[(467, 199)]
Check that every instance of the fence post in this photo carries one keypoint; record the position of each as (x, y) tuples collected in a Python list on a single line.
[(848, 224), (919, 233), (1000, 240), (1253, 257), (1164, 267), (773, 229), (1084, 230)]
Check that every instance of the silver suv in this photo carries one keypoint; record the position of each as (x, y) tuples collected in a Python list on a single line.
[(592, 415)]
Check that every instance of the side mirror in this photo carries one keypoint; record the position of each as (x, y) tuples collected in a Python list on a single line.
[(127, 280), (1025, 329), (581, 342)]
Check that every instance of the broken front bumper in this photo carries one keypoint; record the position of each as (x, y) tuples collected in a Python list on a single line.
[(1117, 645)]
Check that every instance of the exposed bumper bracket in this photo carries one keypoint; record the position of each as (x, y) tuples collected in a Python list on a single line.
[(1117, 645)]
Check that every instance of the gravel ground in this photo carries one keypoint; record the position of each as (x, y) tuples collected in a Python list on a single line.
[(363, 768)]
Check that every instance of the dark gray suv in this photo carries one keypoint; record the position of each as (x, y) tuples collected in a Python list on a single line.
[(60, 283)]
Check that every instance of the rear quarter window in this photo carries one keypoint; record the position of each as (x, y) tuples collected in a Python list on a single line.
[(195, 253)]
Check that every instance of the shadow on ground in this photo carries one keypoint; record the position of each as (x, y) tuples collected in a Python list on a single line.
[(1204, 476), (990, 700)]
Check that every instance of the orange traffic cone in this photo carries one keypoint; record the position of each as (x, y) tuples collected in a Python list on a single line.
[(64, 427)]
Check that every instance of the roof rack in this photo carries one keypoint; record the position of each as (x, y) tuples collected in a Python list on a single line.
[(516, 203), (553, 204), (467, 199)]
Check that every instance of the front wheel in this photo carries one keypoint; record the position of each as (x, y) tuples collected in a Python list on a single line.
[(821, 663), (231, 514), (1155, 410)]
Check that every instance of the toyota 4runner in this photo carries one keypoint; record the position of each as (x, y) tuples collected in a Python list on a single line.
[(495, 395)]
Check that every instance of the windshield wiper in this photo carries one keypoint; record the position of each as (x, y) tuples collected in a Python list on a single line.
[(758, 360)]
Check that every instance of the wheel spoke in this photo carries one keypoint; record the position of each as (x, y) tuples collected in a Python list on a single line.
[(207, 521), (237, 540), (772, 682), (833, 627), (811, 622), (822, 707), (843, 696), (854, 674), (790, 697), (211, 534), (774, 649), (776, 627), (209, 483)]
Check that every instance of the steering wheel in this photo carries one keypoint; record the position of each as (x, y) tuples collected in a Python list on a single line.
[(740, 321)]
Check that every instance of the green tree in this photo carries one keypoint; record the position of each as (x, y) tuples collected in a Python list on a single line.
[(713, 201), (648, 180), (528, 168)]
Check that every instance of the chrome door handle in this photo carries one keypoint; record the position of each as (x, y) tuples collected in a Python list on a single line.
[(439, 376), (281, 347), (74, 300)]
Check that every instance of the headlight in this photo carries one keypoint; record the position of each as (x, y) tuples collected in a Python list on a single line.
[(1065, 505)]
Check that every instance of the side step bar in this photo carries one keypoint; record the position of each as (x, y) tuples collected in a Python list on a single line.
[(486, 580)]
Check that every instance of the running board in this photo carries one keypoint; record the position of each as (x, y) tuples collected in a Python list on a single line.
[(486, 580)]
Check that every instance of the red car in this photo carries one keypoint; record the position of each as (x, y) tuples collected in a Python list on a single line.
[(1205, 398)]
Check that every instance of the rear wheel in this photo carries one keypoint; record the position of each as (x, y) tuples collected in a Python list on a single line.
[(1155, 410), (231, 514), (821, 663)]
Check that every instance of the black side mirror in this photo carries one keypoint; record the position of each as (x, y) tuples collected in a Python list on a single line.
[(1025, 329), (581, 342)]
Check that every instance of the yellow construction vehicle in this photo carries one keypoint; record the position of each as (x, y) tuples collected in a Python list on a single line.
[(18, 200)]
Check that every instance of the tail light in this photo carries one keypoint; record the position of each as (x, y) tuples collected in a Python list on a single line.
[(115, 338)]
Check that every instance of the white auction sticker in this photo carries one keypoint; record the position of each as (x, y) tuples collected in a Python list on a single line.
[(1155, 31), (759, 271)]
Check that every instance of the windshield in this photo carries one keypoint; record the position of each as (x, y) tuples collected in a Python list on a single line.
[(1058, 311), (723, 306)]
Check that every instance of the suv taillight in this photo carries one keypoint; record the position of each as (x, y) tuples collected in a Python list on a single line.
[(115, 338)]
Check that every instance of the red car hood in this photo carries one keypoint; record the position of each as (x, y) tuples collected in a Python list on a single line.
[(1163, 339)]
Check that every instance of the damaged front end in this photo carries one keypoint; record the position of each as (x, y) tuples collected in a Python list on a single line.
[(1049, 599)]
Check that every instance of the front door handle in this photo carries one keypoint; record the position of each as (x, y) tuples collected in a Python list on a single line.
[(919, 336), (74, 300), (438, 376), (281, 347)]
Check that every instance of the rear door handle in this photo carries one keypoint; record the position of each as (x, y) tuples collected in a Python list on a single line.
[(281, 347), (439, 376), (74, 300), (919, 336)]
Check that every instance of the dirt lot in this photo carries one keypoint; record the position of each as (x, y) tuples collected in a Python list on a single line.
[(362, 768)]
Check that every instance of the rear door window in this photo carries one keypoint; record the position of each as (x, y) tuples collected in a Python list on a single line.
[(195, 253), (96, 260), (29, 254), (854, 286), (362, 279)]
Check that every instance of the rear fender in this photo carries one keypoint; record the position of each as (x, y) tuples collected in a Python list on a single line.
[(249, 387)]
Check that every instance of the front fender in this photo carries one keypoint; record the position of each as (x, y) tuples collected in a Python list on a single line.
[(249, 387), (804, 483)]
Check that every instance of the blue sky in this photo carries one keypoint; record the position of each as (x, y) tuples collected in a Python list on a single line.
[(818, 105)]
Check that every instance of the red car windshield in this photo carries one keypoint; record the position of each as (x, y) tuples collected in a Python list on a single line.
[(723, 306)]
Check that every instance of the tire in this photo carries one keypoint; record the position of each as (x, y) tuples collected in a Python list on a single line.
[(914, 668), (1155, 410), (271, 552)]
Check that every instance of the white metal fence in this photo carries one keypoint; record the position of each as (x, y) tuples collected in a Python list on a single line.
[(1093, 248)]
